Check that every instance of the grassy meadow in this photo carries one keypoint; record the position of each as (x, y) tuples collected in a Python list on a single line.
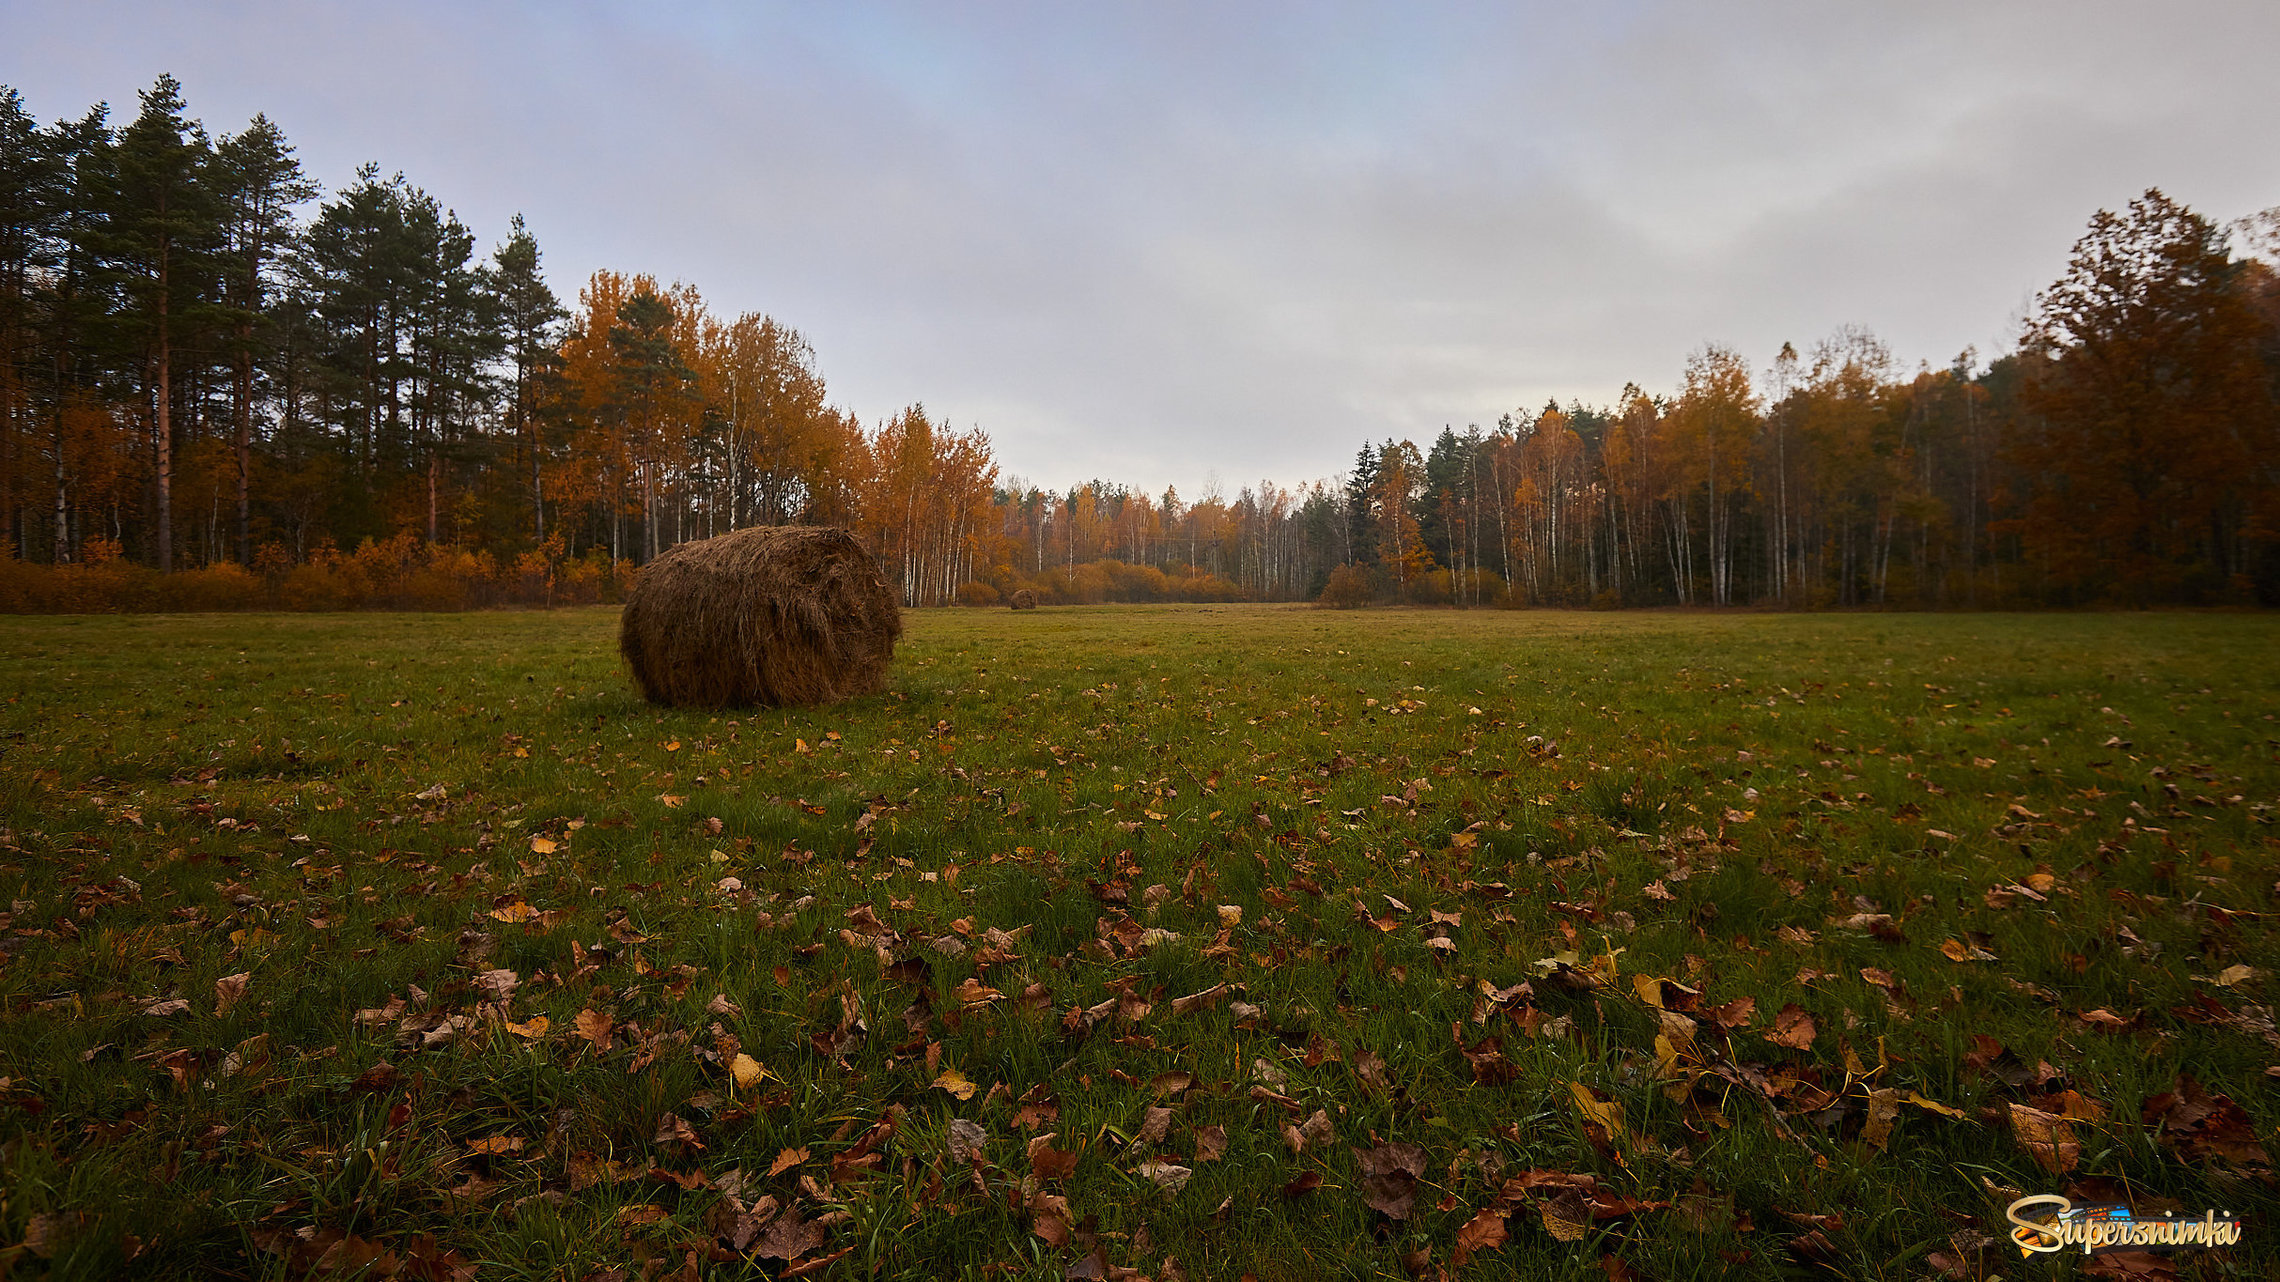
[(1168, 942)]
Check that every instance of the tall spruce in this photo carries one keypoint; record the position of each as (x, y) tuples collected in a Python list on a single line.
[(531, 317), (258, 182), (160, 244)]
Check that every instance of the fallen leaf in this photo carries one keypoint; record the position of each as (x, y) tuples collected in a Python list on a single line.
[(1958, 951), (1606, 1114), (747, 1071), (1390, 1173), (2047, 1137), (498, 985), (1566, 1215), (1883, 1110), (966, 1141), (594, 1026), (1793, 1028), (786, 1160), (1155, 1124), (1484, 1231), (1047, 1162), (1210, 1144), (229, 990), (955, 1083), (1049, 1218), (1165, 1175)]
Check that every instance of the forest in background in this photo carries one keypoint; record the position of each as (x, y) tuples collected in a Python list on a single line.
[(221, 387)]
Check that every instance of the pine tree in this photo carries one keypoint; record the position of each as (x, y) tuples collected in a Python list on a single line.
[(531, 317), (258, 182), (159, 243)]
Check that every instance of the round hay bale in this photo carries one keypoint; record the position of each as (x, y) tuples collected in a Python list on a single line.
[(769, 616), (1023, 599)]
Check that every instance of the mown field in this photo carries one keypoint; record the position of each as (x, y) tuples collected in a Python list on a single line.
[(1165, 942)]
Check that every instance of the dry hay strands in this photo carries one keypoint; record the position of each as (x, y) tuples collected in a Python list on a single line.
[(770, 616), (1023, 599)]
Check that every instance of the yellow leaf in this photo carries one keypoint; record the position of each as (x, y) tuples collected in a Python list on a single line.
[(955, 1083), (1930, 1105), (496, 1144), (533, 1029), (542, 845), (670, 800), (1605, 1113), (514, 914), (747, 1071), (673, 746)]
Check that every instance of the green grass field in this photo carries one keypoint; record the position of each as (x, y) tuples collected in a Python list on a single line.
[(1194, 941)]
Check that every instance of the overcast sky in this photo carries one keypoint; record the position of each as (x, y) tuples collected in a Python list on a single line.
[(1156, 241)]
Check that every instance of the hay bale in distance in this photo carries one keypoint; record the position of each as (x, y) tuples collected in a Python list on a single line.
[(770, 616), (1023, 599)]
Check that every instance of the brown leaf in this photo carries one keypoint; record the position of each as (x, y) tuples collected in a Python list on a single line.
[(967, 1139), (594, 1026), (1154, 1126), (228, 990), (1303, 1185), (1210, 1144), (1204, 1000), (789, 1236), (786, 1160), (1047, 1162), (497, 985), (1793, 1028), (1049, 1217), (1482, 1232), (671, 1129), (2200, 1127), (1389, 1178), (1167, 1085), (2047, 1137)]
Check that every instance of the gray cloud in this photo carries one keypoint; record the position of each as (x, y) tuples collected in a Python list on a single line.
[(1146, 241)]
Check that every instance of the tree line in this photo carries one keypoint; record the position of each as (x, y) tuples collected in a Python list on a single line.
[(194, 373), (2127, 452), (207, 363)]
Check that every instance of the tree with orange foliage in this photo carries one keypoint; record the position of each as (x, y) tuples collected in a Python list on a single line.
[(2152, 428)]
